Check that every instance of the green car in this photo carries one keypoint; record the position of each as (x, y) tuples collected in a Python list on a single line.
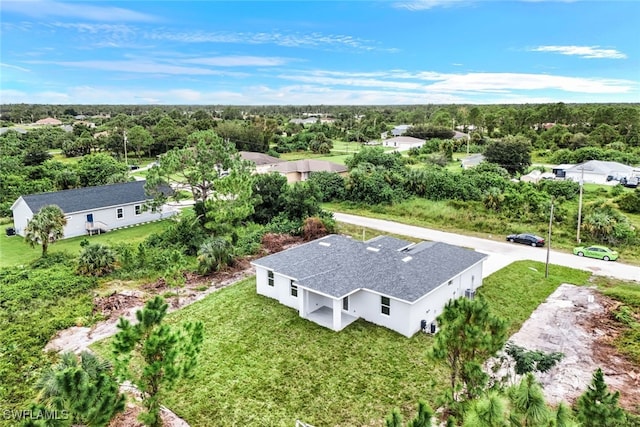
[(595, 251)]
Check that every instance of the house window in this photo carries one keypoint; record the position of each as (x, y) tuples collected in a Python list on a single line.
[(119, 213), (270, 278), (385, 305), (138, 209), (294, 290), (345, 303)]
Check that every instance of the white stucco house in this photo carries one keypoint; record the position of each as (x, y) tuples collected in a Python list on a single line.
[(91, 210), (402, 143), (597, 172), (335, 280)]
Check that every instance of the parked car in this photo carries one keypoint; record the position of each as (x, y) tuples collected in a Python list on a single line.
[(632, 182), (526, 239), (595, 251)]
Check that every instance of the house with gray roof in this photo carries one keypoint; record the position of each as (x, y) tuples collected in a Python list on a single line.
[(91, 210), (598, 172), (403, 286)]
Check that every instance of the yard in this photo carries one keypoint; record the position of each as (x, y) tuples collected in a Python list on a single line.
[(16, 251), (262, 365)]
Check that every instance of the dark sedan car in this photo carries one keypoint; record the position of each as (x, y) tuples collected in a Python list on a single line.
[(526, 239)]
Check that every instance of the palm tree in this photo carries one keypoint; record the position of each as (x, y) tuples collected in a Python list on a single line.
[(214, 254), (45, 227), (96, 260)]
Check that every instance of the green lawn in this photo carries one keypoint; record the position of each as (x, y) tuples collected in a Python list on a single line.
[(262, 365), (15, 251)]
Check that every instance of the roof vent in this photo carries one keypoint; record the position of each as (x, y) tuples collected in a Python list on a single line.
[(324, 244), (369, 248), (407, 259)]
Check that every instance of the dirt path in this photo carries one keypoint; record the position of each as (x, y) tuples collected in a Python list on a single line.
[(573, 320), (125, 304)]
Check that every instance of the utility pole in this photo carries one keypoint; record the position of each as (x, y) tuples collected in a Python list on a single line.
[(546, 269), (580, 205), (125, 147)]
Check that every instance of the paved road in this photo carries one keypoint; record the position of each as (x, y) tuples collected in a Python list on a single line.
[(500, 254)]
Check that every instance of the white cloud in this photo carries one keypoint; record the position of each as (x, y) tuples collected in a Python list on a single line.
[(134, 66), (433, 82), (238, 61), (427, 4), (91, 12), (589, 52), (15, 67), (277, 38)]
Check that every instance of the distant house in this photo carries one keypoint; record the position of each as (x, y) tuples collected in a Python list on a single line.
[(560, 170), (598, 172), (49, 121), (471, 160), (264, 162), (402, 143), (335, 280), (400, 130), (299, 170), (91, 210)]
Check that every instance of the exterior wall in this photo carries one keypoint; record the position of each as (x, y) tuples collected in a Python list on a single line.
[(21, 216), (593, 178), (293, 177), (281, 289), (431, 305), (76, 222), (367, 305)]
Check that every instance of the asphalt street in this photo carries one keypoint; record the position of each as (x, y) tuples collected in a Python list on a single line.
[(500, 254)]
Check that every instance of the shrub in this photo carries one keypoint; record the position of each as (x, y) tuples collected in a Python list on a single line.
[(630, 202), (96, 260), (214, 254), (313, 228)]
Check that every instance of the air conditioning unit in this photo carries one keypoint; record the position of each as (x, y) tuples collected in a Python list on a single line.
[(427, 328), (469, 293)]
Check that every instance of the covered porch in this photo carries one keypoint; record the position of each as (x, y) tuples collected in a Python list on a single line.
[(325, 311)]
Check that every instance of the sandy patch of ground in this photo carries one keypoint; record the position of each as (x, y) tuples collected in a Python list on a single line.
[(576, 321), (126, 303)]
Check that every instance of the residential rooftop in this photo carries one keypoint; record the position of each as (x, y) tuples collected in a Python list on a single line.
[(338, 266)]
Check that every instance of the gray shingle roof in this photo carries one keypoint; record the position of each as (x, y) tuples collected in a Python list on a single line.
[(81, 199), (337, 265), (309, 165)]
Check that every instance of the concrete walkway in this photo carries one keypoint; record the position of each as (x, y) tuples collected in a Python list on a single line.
[(500, 254)]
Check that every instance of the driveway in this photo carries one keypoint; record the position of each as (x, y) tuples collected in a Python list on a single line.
[(500, 254)]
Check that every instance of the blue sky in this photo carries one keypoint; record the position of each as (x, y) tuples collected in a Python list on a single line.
[(319, 52)]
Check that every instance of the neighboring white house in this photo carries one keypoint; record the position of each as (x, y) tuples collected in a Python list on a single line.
[(335, 280), (91, 209), (403, 143), (598, 172)]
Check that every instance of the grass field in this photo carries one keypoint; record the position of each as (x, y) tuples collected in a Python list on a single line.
[(263, 365), (15, 251)]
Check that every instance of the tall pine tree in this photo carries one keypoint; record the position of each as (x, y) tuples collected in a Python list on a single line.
[(166, 354)]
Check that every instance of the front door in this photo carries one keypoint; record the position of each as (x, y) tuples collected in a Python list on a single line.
[(89, 217)]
